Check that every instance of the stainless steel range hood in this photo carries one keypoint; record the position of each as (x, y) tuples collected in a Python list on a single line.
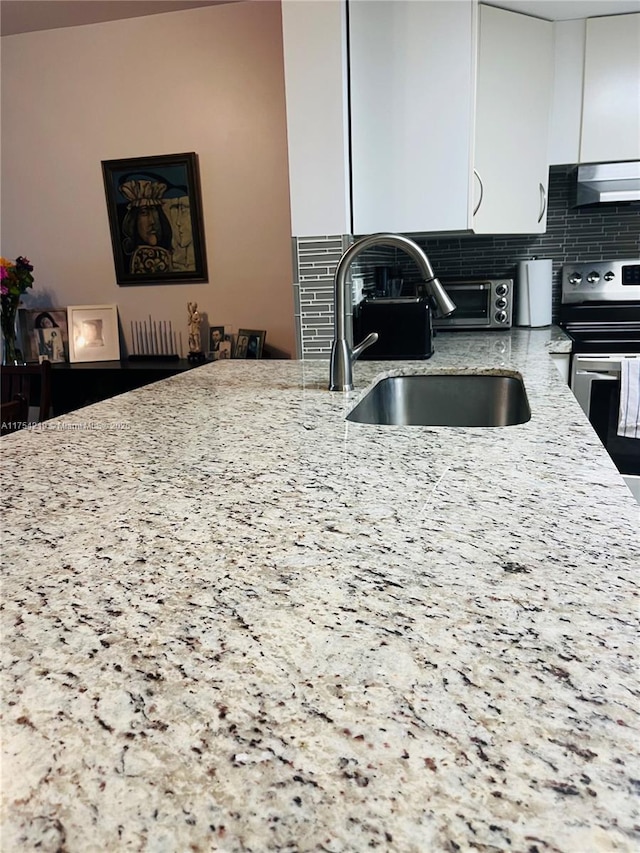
[(599, 183)]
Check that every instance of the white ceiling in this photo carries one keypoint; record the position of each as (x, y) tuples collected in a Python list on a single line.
[(24, 16)]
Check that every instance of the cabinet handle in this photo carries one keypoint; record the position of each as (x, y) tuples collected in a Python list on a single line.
[(543, 202), (477, 207)]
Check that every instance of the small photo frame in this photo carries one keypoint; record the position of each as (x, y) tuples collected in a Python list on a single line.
[(93, 333), (249, 343), (50, 345), (33, 321), (224, 350), (216, 337)]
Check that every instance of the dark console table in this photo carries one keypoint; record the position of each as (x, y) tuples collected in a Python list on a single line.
[(76, 385)]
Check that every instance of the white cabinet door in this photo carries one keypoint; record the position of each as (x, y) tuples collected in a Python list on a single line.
[(515, 72), (412, 92), (316, 85), (611, 101), (568, 79)]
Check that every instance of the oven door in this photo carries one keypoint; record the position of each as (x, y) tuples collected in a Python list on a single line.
[(595, 382)]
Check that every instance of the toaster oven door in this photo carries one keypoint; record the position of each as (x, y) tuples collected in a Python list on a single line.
[(473, 305)]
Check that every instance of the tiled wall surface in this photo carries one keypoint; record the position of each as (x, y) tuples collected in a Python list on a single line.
[(573, 234), (315, 260)]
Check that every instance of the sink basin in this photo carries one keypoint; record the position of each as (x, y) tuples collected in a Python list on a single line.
[(452, 399)]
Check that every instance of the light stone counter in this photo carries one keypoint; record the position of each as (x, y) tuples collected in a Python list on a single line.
[(244, 624)]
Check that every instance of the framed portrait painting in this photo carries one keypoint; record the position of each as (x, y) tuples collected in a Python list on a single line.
[(155, 218), (93, 333)]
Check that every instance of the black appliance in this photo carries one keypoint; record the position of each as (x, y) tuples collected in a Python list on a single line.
[(403, 325)]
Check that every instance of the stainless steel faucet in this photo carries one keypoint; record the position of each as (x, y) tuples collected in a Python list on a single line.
[(342, 357)]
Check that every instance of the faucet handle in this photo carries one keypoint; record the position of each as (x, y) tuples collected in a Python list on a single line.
[(371, 338)]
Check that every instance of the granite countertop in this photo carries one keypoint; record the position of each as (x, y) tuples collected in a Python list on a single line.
[(235, 621)]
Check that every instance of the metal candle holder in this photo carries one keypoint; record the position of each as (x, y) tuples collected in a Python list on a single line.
[(154, 339)]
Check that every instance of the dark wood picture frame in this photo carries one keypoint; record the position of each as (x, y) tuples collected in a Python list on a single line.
[(155, 218), (249, 343)]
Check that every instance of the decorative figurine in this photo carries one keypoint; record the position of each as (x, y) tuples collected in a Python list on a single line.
[(195, 348)]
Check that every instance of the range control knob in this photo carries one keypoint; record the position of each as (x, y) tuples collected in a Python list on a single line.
[(575, 278), (501, 303), (593, 277), (502, 290), (501, 316), (609, 275)]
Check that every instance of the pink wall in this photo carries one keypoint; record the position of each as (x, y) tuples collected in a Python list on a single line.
[(208, 80)]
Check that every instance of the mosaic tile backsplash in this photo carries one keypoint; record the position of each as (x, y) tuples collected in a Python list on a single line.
[(573, 234)]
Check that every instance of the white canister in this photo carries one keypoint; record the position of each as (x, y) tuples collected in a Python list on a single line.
[(533, 292)]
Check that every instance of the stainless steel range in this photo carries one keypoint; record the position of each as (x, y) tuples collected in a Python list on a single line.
[(600, 311)]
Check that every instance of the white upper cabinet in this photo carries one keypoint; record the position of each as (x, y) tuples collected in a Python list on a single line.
[(596, 99), (514, 84), (316, 85), (412, 68), (611, 103), (449, 117)]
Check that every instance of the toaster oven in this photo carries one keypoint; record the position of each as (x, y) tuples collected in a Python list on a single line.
[(480, 304)]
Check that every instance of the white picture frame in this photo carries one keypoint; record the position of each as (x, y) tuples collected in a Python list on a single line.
[(93, 333)]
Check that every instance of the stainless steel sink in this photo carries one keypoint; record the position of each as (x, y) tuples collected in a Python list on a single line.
[(452, 399)]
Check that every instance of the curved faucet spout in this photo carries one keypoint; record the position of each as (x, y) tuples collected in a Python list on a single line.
[(342, 358), (371, 338)]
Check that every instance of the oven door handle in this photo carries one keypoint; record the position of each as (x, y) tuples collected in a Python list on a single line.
[(454, 287), (584, 379)]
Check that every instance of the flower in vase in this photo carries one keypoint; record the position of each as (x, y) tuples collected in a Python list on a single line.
[(15, 279), (15, 276)]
